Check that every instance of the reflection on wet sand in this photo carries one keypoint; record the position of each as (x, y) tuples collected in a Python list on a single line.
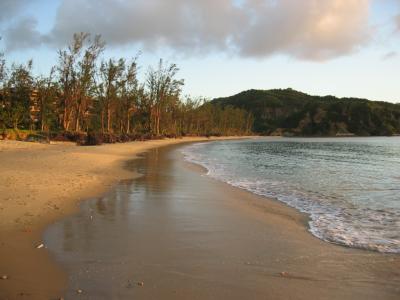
[(186, 236)]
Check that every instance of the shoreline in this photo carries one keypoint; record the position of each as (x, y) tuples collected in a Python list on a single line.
[(261, 203), (44, 183), (277, 207), (354, 238), (217, 241)]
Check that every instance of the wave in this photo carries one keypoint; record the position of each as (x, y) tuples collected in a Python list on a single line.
[(331, 220)]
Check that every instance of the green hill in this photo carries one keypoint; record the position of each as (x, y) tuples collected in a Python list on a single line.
[(289, 112)]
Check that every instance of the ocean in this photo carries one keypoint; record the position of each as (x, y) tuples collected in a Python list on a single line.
[(349, 187)]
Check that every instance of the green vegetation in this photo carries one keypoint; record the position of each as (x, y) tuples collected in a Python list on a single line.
[(90, 100), (292, 113)]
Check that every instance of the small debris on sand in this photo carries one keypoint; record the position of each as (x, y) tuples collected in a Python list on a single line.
[(140, 283), (284, 274), (79, 291), (4, 277), (39, 246)]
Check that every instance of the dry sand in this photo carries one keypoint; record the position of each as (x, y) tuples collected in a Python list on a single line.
[(40, 184)]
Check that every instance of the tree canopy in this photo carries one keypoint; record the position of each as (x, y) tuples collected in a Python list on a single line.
[(290, 112), (88, 96)]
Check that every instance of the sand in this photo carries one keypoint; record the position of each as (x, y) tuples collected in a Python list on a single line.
[(187, 236), (190, 237), (40, 184)]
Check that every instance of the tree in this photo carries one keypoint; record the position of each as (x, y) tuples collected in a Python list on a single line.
[(47, 94), (18, 96), (3, 84), (131, 95), (163, 91), (86, 86), (81, 96), (111, 73), (76, 69)]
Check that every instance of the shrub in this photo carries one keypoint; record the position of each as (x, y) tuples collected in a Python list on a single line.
[(93, 139)]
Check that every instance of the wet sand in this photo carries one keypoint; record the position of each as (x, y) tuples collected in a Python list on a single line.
[(40, 184), (175, 234)]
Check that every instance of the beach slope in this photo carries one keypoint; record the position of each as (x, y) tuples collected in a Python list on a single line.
[(41, 183)]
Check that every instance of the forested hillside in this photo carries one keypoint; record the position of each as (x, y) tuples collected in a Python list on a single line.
[(289, 112)]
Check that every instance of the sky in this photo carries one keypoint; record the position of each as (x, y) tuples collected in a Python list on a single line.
[(346, 48)]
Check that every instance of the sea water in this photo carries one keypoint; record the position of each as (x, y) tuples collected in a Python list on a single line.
[(350, 187)]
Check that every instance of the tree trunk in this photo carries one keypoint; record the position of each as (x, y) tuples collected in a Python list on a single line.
[(158, 113), (108, 118), (128, 123), (65, 119), (102, 121), (77, 118)]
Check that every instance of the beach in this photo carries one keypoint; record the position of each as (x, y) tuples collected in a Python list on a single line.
[(41, 183), (190, 237)]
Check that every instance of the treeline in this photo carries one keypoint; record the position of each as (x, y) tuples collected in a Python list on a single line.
[(293, 113), (87, 97)]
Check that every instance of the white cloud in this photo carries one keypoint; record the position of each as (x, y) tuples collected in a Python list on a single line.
[(24, 34), (9, 8), (179, 24), (390, 55), (307, 29)]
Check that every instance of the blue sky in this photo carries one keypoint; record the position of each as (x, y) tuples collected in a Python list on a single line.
[(225, 50)]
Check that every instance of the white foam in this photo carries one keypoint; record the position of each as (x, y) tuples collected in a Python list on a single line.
[(366, 228)]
